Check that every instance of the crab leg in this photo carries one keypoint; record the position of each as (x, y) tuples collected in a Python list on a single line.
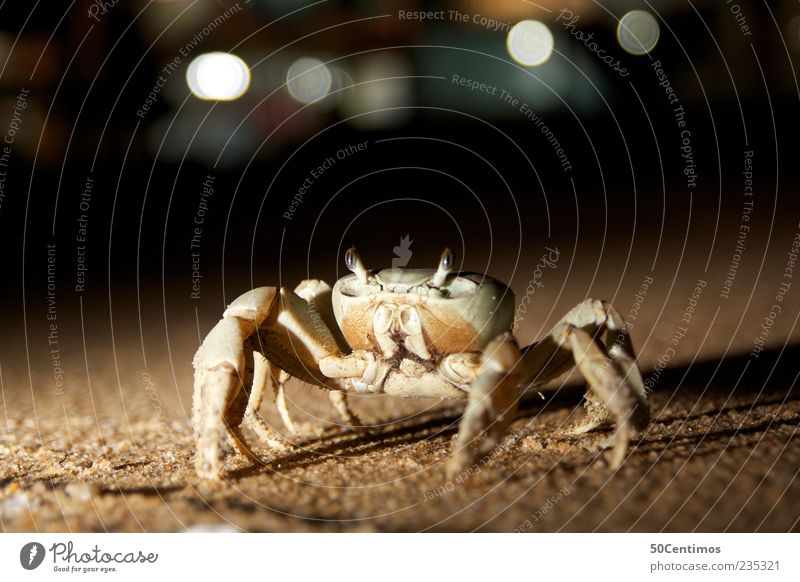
[(224, 369), (611, 394), (492, 404), (279, 393), (255, 422), (278, 324), (262, 375), (220, 376), (615, 384), (339, 401), (318, 294)]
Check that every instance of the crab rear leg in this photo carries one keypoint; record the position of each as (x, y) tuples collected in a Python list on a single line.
[(492, 405), (615, 384)]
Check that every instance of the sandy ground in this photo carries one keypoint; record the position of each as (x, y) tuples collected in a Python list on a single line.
[(712, 460), (113, 451), (722, 454)]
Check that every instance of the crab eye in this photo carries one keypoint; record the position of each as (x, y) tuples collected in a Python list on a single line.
[(353, 262), (351, 258), (448, 258), (445, 266)]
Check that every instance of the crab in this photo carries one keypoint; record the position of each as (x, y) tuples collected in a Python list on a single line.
[(409, 333)]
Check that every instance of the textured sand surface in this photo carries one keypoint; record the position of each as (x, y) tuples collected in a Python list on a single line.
[(113, 450), (714, 458), (722, 453)]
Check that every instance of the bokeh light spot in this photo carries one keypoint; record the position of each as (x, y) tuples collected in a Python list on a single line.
[(308, 80), (530, 43), (218, 76), (638, 32)]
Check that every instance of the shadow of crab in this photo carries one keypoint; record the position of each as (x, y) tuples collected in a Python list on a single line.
[(435, 427)]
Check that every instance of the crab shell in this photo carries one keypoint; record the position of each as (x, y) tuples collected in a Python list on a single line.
[(463, 315)]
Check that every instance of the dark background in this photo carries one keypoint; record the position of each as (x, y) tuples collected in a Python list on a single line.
[(87, 80)]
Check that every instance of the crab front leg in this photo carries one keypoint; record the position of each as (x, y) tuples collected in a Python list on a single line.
[(492, 404), (223, 367), (317, 294), (277, 323), (615, 384)]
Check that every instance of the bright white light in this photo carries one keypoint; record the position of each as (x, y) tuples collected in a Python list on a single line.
[(218, 76), (530, 43), (308, 80), (638, 32)]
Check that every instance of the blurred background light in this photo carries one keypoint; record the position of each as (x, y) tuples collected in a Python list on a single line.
[(382, 94), (530, 43), (638, 32), (308, 80), (218, 76)]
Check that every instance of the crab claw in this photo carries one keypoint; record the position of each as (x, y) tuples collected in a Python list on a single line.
[(492, 405), (223, 369)]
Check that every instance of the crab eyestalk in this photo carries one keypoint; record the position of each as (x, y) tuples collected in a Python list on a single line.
[(445, 266), (353, 262)]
